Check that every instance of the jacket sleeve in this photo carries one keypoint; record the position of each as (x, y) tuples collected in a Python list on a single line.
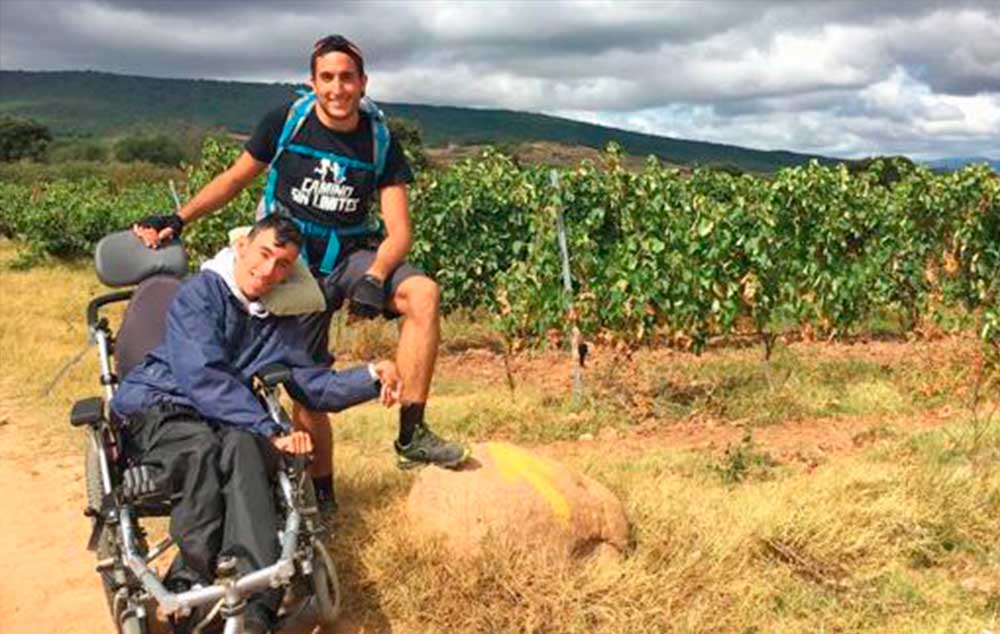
[(196, 349), (325, 390)]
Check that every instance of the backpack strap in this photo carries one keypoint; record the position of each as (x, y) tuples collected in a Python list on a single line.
[(380, 135), (297, 114)]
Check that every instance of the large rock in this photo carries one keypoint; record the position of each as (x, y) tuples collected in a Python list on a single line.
[(519, 497)]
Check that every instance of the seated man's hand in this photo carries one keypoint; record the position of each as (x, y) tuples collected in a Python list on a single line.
[(297, 443), (392, 383), (153, 230), (367, 297)]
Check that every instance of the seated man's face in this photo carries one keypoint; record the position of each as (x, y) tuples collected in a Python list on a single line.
[(261, 264)]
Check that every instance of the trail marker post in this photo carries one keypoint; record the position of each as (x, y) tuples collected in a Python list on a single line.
[(576, 339), (173, 193)]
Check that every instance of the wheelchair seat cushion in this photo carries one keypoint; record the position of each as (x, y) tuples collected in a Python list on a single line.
[(145, 321), (121, 259)]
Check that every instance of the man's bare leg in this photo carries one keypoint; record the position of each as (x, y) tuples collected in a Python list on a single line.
[(318, 426), (418, 300)]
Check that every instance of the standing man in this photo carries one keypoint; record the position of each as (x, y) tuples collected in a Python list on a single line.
[(327, 155)]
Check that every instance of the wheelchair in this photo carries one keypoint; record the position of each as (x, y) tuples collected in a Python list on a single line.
[(133, 589)]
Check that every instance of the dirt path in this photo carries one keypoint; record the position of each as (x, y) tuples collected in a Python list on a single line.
[(48, 583)]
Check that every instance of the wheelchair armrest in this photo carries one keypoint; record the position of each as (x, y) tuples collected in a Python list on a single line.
[(275, 375), (88, 411)]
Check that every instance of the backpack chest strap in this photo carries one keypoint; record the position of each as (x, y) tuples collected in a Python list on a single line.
[(297, 114), (332, 236), (322, 154)]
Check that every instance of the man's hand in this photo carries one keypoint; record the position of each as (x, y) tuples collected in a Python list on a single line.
[(297, 443), (367, 297), (392, 383), (156, 229)]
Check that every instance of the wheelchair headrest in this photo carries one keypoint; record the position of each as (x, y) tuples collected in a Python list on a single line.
[(121, 259)]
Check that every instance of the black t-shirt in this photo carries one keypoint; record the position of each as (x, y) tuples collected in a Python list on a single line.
[(320, 190)]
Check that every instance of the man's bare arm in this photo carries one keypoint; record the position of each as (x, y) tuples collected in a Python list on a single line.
[(396, 215), (212, 196), (223, 187)]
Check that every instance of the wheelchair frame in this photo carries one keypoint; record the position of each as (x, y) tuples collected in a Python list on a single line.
[(124, 561)]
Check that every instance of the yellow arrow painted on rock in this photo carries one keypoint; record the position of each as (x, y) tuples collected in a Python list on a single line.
[(516, 464)]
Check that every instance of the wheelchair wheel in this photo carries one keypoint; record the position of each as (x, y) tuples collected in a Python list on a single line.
[(114, 578), (92, 471), (132, 625), (106, 546), (326, 585)]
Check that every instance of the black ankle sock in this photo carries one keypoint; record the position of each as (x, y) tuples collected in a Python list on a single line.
[(323, 486), (410, 415)]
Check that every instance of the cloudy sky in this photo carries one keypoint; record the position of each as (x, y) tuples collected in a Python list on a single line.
[(838, 78)]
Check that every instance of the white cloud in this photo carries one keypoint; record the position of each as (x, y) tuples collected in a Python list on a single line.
[(898, 115), (841, 78)]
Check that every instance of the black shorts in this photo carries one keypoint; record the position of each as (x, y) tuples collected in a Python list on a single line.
[(336, 288)]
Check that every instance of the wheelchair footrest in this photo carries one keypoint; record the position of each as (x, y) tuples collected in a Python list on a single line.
[(140, 483)]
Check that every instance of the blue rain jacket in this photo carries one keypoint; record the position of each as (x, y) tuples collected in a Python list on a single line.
[(212, 349)]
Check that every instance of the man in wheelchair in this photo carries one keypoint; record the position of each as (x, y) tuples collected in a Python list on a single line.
[(200, 432)]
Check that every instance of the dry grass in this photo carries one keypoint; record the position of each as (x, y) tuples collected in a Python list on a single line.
[(900, 537), (42, 326), (892, 540)]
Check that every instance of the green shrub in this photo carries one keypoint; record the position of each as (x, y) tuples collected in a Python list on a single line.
[(157, 149), (78, 150), (22, 139), (67, 218), (120, 174)]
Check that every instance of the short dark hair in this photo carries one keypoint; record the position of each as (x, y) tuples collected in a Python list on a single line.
[(285, 230), (338, 43)]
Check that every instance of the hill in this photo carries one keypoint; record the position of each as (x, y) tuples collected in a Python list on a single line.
[(88, 103)]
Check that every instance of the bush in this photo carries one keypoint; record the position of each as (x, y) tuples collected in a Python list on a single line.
[(158, 149), (471, 222), (78, 150), (22, 139), (67, 218), (210, 233), (120, 175), (408, 134)]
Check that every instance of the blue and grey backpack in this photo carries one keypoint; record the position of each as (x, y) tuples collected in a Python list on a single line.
[(297, 114)]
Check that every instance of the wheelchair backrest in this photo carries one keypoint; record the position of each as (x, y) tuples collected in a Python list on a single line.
[(145, 321), (121, 259)]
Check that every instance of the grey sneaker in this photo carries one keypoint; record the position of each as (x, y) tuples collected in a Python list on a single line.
[(426, 447)]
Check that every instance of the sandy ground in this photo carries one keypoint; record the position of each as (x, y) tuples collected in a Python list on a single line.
[(48, 583)]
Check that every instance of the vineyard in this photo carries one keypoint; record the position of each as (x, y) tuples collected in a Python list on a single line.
[(655, 255), (833, 487)]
